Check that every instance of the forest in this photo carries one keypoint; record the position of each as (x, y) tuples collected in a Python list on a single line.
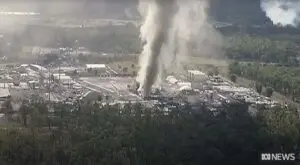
[(93, 134), (285, 80), (262, 49)]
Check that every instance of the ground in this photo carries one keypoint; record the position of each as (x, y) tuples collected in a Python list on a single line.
[(132, 67), (206, 64), (115, 86)]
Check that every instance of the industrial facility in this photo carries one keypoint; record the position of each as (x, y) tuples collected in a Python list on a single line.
[(110, 83)]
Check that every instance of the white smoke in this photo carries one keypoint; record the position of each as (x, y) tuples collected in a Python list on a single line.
[(168, 32), (282, 12), (157, 15)]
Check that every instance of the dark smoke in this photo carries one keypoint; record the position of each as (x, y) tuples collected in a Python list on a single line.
[(169, 29), (162, 17)]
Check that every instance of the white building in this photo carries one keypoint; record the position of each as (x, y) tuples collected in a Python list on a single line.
[(21, 85), (96, 69), (58, 74), (4, 94), (99, 67), (65, 80), (197, 76), (232, 89), (172, 80), (38, 68)]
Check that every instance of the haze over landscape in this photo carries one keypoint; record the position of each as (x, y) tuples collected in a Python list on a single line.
[(149, 82), (228, 10)]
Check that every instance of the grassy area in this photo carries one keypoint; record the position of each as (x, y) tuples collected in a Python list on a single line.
[(208, 64), (276, 96), (207, 61), (284, 80), (201, 63)]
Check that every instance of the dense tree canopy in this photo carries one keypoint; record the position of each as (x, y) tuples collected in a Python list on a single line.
[(283, 79), (262, 49), (238, 11), (94, 134), (116, 39)]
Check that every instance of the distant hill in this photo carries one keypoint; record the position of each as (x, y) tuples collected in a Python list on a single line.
[(238, 11), (234, 11)]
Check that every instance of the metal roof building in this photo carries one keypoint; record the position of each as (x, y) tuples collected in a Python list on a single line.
[(4, 93), (38, 67), (196, 75), (96, 66)]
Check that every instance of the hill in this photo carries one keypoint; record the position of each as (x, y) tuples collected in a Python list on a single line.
[(234, 11), (238, 11)]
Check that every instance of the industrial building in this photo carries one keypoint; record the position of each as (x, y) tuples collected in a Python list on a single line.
[(95, 70), (126, 68), (96, 67), (104, 84), (4, 94), (197, 76)]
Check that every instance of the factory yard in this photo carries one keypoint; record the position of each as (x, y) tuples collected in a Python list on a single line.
[(117, 87), (114, 83)]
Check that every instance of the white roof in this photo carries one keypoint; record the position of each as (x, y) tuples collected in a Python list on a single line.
[(185, 88), (223, 97), (77, 85), (172, 79), (196, 72), (22, 85), (4, 92), (39, 67), (184, 84), (68, 68), (95, 65), (33, 81), (232, 89), (62, 77), (57, 74)]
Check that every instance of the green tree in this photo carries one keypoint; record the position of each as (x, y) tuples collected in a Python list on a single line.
[(24, 113), (283, 125), (135, 134), (210, 74), (7, 108), (233, 78), (258, 87), (216, 71), (269, 91)]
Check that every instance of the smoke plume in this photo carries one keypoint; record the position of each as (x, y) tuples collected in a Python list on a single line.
[(171, 31), (157, 15), (282, 12)]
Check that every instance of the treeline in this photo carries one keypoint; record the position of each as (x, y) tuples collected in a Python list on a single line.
[(285, 80), (261, 49), (93, 134), (246, 12), (106, 38)]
